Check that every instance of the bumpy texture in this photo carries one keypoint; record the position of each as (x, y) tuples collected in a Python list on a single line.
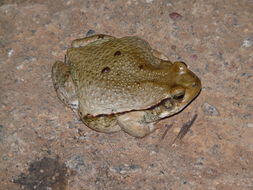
[(122, 83), (121, 75)]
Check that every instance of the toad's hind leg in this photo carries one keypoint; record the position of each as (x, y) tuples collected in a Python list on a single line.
[(98, 38), (134, 124), (64, 85), (104, 124)]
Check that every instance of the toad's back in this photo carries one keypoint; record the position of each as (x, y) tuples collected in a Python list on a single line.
[(119, 75)]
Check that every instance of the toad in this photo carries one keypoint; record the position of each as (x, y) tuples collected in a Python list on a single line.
[(122, 84)]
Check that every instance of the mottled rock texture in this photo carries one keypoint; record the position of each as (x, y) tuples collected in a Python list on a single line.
[(214, 37)]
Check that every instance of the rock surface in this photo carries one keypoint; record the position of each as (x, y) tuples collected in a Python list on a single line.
[(213, 37)]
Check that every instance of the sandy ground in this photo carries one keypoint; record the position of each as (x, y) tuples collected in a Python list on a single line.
[(43, 144)]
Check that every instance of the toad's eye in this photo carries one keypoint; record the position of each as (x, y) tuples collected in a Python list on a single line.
[(179, 96), (178, 93), (180, 67)]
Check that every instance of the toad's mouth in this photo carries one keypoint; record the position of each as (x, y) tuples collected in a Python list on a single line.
[(168, 107), (165, 108)]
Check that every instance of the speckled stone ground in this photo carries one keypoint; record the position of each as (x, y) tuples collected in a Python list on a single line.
[(43, 145)]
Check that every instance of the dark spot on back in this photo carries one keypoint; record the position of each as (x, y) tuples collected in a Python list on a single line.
[(140, 66), (117, 53), (106, 70)]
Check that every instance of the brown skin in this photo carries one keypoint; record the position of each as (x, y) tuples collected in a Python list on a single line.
[(122, 84)]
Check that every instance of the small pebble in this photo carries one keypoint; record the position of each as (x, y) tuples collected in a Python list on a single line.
[(215, 149), (149, 1), (247, 43), (194, 56), (90, 33), (249, 125), (125, 168), (10, 52), (77, 163), (175, 16), (248, 75), (199, 163), (33, 31), (174, 47), (19, 67), (184, 182), (210, 110)]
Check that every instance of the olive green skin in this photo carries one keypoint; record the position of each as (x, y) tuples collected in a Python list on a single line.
[(122, 84)]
